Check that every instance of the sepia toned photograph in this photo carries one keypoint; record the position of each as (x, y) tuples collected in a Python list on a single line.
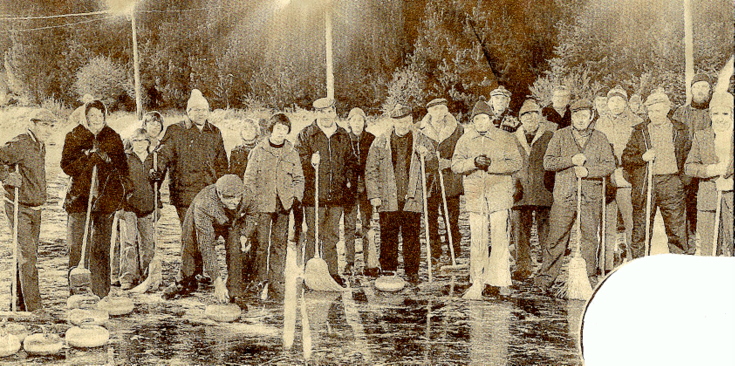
[(367, 182)]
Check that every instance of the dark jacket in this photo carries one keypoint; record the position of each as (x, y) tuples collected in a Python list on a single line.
[(30, 155), (239, 158), (360, 147), (552, 115), (194, 159), (634, 168), (336, 168), (533, 176), (445, 146), (77, 164), (140, 198)]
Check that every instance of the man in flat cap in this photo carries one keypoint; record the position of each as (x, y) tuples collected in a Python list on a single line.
[(577, 151), (502, 116), (193, 152), (393, 182), (558, 111), (695, 116), (326, 144), (442, 129), (660, 145), (617, 125), (23, 162)]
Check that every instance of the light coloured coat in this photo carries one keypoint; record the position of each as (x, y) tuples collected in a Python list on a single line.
[(274, 173), (700, 156)]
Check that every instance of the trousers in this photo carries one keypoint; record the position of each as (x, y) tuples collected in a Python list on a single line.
[(136, 246), (622, 203), (435, 206), (409, 226), (328, 234), (364, 210), (270, 253), (522, 222), (98, 247), (29, 229), (706, 228), (492, 269)]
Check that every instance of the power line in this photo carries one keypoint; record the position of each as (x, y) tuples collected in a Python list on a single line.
[(8, 17), (177, 10), (61, 25)]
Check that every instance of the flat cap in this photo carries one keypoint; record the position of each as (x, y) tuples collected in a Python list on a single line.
[(229, 185), (43, 114), (580, 104), (435, 102), (721, 100), (400, 111), (501, 90), (656, 97), (323, 103), (529, 105), (617, 91)]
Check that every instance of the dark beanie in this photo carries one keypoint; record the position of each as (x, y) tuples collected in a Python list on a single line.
[(480, 108)]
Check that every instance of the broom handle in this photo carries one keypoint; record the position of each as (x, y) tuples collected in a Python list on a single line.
[(649, 193), (316, 211), (88, 218), (446, 213), (604, 223), (14, 286), (718, 212), (577, 248), (426, 216)]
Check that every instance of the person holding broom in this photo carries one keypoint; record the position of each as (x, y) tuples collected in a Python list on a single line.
[(24, 161), (575, 152), (487, 157), (94, 157), (658, 146), (711, 160), (393, 179)]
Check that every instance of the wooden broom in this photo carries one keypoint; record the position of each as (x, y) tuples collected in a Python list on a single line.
[(577, 286)]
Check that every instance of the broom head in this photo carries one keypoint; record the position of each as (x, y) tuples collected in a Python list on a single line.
[(317, 277), (577, 286)]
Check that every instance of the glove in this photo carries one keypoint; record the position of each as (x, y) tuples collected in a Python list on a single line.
[(482, 162), (422, 150), (579, 159), (445, 164), (724, 184), (316, 158), (14, 180), (220, 291), (155, 175), (581, 171), (649, 155), (103, 156), (376, 202)]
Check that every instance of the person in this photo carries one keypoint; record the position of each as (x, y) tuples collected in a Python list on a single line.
[(635, 103), (393, 179), (77, 116), (93, 146), (137, 244), (660, 145), (711, 160), (575, 152), (486, 157), (442, 129), (558, 112), (502, 116), (533, 138), (327, 145), (249, 138), (223, 209), (356, 199), (695, 116), (601, 105), (275, 175), (193, 152), (24, 162), (617, 126), (153, 125)]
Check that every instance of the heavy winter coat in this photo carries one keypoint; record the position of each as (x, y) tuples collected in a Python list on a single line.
[(553, 116), (445, 142), (558, 158), (30, 156), (336, 168), (701, 155), (380, 178), (194, 159), (77, 164), (274, 173), (695, 119), (497, 182), (361, 148), (532, 175), (239, 158), (141, 197), (634, 168)]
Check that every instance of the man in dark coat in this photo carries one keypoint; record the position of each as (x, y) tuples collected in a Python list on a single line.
[(328, 145), (443, 131), (194, 154), (533, 138), (662, 145), (27, 152), (503, 117), (558, 112), (89, 145), (357, 199)]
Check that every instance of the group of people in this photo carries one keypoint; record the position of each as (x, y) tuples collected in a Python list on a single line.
[(533, 169)]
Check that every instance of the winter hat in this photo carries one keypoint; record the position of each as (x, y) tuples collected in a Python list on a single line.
[(481, 108), (579, 105), (529, 105), (356, 112), (323, 103), (723, 99), (196, 100), (561, 89), (701, 77), (42, 115), (617, 91), (435, 102), (229, 185), (657, 96), (501, 90), (400, 111)]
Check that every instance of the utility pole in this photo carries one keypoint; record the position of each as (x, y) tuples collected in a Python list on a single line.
[(136, 70), (330, 60), (688, 49)]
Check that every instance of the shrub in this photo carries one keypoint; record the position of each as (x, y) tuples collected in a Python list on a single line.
[(106, 80)]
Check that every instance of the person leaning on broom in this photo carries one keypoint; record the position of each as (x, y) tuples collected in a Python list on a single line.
[(577, 151), (27, 152)]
